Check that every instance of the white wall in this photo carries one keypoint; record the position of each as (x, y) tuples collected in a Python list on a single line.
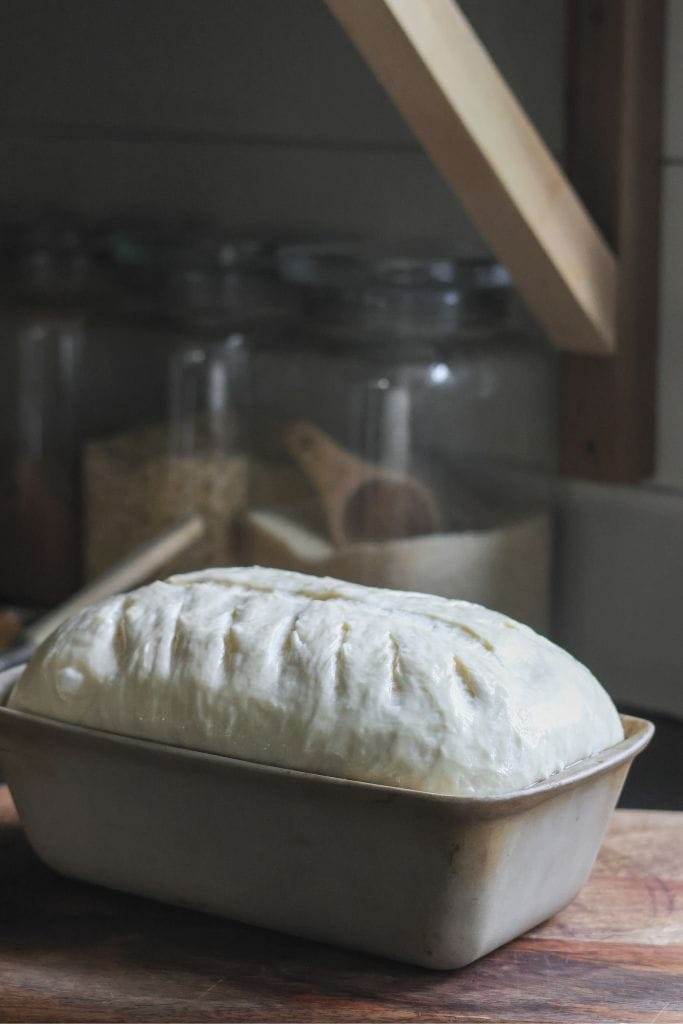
[(619, 602), (260, 113), (255, 111)]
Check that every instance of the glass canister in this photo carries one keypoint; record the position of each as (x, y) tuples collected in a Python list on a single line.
[(403, 431), (43, 330), (215, 296)]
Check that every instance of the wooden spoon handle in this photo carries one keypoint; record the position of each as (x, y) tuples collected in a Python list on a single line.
[(332, 470), (137, 567)]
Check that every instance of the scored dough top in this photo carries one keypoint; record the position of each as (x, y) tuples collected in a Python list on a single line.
[(320, 675)]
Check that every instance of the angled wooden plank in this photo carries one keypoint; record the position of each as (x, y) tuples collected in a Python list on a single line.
[(451, 94), (614, 159)]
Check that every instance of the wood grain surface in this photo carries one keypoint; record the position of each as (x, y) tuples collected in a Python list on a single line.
[(74, 952)]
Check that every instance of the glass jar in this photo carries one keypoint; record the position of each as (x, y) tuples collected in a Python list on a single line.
[(127, 355), (403, 430), (43, 328), (208, 298)]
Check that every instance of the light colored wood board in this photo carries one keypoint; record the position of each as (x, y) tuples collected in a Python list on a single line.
[(450, 92), (669, 469), (244, 68), (281, 191), (140, 565), (643, 843), (635, 893)]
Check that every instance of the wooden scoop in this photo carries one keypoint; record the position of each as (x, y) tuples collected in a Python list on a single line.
[(362, 502)]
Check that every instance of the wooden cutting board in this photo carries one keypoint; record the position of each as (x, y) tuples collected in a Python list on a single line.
[(73, 952)]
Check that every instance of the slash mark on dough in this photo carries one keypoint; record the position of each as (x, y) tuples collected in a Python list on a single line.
[(230, 645), (465, 676), (292, 634), (121, 638), (340, 686), (396, 679), (486, 644)]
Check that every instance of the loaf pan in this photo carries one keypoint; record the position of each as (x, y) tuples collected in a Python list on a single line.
[(432, 880)]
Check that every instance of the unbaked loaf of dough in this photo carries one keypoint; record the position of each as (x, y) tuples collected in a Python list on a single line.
[(382, 686)]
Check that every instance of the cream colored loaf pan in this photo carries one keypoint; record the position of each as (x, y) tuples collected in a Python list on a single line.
[(433, 880)]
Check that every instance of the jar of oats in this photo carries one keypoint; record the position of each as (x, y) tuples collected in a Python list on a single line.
[(214, 298)]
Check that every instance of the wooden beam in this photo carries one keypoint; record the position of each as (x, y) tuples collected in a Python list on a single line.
[(614, 159), (450, 92)]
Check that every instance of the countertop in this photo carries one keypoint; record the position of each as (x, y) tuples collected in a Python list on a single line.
[(75, 952)]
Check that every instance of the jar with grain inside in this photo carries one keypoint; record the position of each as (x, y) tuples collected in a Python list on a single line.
[(404, 430), (216, 296), (44, 332)]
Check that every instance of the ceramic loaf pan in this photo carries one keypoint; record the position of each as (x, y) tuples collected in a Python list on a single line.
[(432, 880)]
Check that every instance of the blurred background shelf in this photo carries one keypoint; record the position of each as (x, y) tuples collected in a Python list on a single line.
[(167, 110)]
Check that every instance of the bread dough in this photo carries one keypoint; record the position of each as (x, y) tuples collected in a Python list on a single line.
[(402, 689)]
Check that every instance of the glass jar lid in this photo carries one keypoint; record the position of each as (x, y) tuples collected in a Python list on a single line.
[(198, 276), (356, 286), (49, 259)]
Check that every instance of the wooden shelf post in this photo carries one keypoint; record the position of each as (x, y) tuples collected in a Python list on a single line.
[(614, 117)]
